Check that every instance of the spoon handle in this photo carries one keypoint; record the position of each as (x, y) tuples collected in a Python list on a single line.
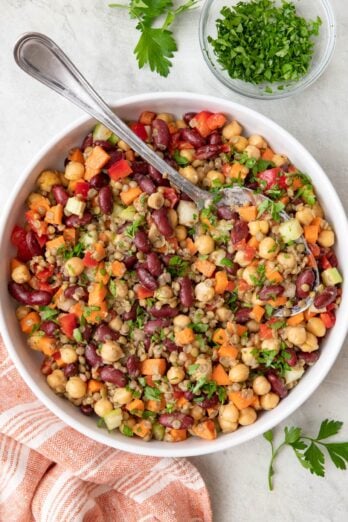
[(41, 58)]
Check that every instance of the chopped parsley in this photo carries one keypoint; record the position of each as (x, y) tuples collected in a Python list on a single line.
[(274, 360), (226, 262), (152, 394), (67, 253), (274, 208), (126, 430), (47, 313), (180, 159), (199, 327), (177, 266), (132, 229)]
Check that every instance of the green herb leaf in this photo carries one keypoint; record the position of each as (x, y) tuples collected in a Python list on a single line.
[(268, 435), (47, 313), (152, 394), (199, 327), (338, 453), (328, 428), (180, 159), (177, 266), (132, 229), (315, 457), (292, 435), (127, 431), (226, 262)]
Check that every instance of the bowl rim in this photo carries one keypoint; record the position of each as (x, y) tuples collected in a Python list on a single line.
[(168, 449), (276, 95)]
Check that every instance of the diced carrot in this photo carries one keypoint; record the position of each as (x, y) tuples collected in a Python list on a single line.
[(273, 275), (295, 319), (130, 195), (191, 247), (55, 243), (220, 376), (130, 156), (278, 301), (311, 233), (178, 435), (94, 386), (205, 267), (77, 309), (315, 249), (149, 380), (242, 286), (96, 316), (241, 329), (247, 213), (69, 235), (220, 336), (136, 407), (153, 367), (99, 251), (227, 350), (242, 399), (147, 117), (43, 343), (54, 215), (205, 430), (182, 401), (14, 263), (236, 171), (253, 242), (311, 261), (38, 203), (267, 154), (155, 406), (97, 294), (184, 336), (142, 428), (317, 221), (257, 313), (95, 162), (72, 185), (29, 321), (76, 155), (118, 268), (231, 286), (101, 275), (256, 404), (143, 293), (221, 282), (308, 314)]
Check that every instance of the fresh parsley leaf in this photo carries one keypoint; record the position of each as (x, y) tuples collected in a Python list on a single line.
[(329, 428), (271, 207), (315, 457), (268, 435), (152, 394), (76, 251), (132, 229), (127, 431), (47, 313), (180, 159), (338, 453), (177, 267), (292, 434), (147, 414), (199, 327), (226, 262), (269, 309), (77, 335)]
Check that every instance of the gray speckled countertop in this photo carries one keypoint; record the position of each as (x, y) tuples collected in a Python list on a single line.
[(100, 41)]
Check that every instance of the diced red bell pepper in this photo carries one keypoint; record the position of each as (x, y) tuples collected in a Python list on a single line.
[(325, 263), (171, 195), (174, 141), (89, 261), (19, 240), (46, 287), (42, 240), (272, 177), (18, 236), (56, 356), (216, 121), (139, 130), (265, 332), (38, 226), (82, 188), (177, 394), (328, 318), (120, 169), (45, 274), (206, 122), (315, 249), (249, 253), (68, 323)]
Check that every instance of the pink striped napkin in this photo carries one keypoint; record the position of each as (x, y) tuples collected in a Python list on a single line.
[(51, 473)]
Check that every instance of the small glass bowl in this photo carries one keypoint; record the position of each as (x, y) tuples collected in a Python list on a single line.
[(323, 48)]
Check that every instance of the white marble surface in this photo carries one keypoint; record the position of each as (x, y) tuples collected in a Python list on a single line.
[(100, 41)]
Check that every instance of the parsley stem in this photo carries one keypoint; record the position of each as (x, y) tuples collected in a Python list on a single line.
[(271, 469)]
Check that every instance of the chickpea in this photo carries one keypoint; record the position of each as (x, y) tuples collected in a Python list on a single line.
[(287, 260), (180, 232), (316, 326), (156, 200), (76, 388), (203, 368), (271, 345), (204, 292), (317, 210), (214, 175), (231, 129), (239, 143), (296, 334), (253, 152), (165, 116), (268, 248), (241, 259), (172, 217), (250, 275), (116, 324), (279, 160), (228, 417), (164, 293), (47, 179), (248, 356), (123, 145), (68, 355), (310, 344), (102, 407), (122, 396), (261, 385), (111, 351), (257, 141), (181, 125), (223, 314), (259, 226), (188, 154), (74, 170), (239, 373), (305, 216), (57, 381), (189, 173), (121, 288), (74, 266), (205, 244), (22, 311), (20, 274), (176, 374), (181, 321), (269, 401), (247, 416), (196, 412), (326, 238)]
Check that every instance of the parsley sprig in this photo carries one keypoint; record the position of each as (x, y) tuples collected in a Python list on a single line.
[(308, 450)]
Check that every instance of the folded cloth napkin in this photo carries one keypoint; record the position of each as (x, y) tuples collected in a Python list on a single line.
[(50, 473)]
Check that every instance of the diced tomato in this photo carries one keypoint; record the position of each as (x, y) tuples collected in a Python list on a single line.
[(120, 169), (89, 261), (171, 195), (42, 240), (177, 394), (19, 240), (216, 120), (56, 356), (200, 122), (68, 323), (38, 226), (45, 274), (139, 130), (315, 249), (325, 263), (82, 188), (265, 332), (18, 236), (225, 147), (249, 253), (328, 318), (46, 287), (272, 177)]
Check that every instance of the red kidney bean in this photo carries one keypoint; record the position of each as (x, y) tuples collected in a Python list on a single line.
[(239, 231), (161, 220), (292, 361), (105, 199), (86, 409), (224, 212), (70, 370), (215, 139), (185, 197), (146, 278), (306, 277), (110, 374), (165, 311), (171, 346), (153, 326), (242, 315), (115, 156), (145, 183), (60, 194), (154, 264), (327, 296), (186, 292), (106, 145), (309, 357), (92, 356), (132, 314), (76, 221), (187, 117), (140, 167), (193, 137), (331, 258), (207, 152), (253, 185), (155, 175), (188, 395), (49, 327), (25, 295), (87, 142), (130, 261), (142, 241), (33, 244), (277, 384), (76, 292), (133, 365), (160, 134), (103, 333), (147, 343), (86, 332), (168, 419), (99, 181), (209, 403), (166, 258), (270, 292)]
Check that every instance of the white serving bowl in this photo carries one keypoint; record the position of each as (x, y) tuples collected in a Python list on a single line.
[(28, 361)]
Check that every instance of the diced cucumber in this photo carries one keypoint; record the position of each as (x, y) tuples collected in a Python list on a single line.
[(89, 238), (331, 276), (113, 139), (294, 374), (158, 431), (290, 230), (113, 419), (75, 206), (101, 133)]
